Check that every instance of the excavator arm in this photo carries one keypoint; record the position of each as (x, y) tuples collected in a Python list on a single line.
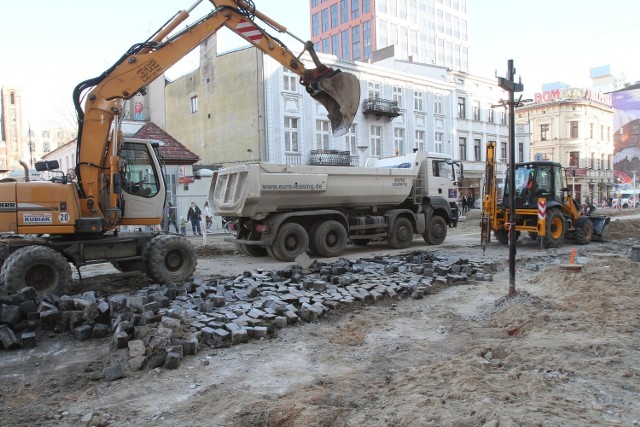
[(490, 197), (98, 163)]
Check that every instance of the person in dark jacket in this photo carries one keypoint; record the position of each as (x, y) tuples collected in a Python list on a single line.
[(193, 215)]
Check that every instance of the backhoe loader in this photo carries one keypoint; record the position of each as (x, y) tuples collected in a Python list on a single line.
[(544, 206), (45, 226)]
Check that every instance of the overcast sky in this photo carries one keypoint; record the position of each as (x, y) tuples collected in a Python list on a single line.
[(48, 47)]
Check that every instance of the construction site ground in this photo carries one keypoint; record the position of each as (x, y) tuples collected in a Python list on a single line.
[(564, 351)]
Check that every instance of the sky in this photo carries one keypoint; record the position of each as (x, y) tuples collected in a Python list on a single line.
[(52, 46)]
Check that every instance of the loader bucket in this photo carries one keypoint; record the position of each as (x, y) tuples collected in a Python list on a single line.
[(339, 93), (600, 225)]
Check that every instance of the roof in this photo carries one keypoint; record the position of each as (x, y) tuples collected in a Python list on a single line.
[(171, 150)]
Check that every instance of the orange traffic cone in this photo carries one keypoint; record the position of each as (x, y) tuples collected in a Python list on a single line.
[(572, 258)]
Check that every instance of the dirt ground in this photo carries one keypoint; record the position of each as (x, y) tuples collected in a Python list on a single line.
[(564, 351)]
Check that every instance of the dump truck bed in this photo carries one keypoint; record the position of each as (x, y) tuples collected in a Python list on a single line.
[(257, 189)]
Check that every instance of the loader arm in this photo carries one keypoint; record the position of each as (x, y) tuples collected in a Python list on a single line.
[(490, 197), (99, 137)]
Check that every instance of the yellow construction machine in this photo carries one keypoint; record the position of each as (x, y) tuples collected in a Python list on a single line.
[(47, 225), (544, 206)]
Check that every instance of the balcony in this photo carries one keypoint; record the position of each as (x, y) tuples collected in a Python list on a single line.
[(381, 108)]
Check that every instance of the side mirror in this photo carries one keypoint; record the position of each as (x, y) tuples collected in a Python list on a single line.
[(48, 165)]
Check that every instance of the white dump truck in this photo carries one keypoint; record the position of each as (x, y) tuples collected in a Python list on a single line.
[(285, 210)]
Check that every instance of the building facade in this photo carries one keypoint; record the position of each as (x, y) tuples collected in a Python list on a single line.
[(250, 108), (432, 32), (574, 127), (12, 142)]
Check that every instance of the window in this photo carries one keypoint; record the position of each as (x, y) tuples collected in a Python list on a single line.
[(591, 131), (291, 134), (139, 175), (477, 144), (437, 146), (355, 41), (194, 104), (355, 9), (325, 20), (503, 118), (366, 6), (374, 90), (376, 141), (419, 141), (334, 15), (503, 151), (476, 111), (437, 104), (461, 108), (544, 132), (322, 134), (12, 98), (344, 11), (397, 95), (601, 133), (491, 115), (520, 152), (46, 147), (418, 100), (289, 81), (335, 45), (325, 45), (45, 134), (351, 141), (315, 24), (463, 148), (398, 141), (366, 39), (345, 45), (573, 129)]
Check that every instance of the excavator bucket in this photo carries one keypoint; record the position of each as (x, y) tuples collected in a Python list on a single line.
[(339, 92), (600, 225)]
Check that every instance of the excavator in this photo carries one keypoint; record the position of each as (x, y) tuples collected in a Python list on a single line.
[(544, 206), (46, 226)]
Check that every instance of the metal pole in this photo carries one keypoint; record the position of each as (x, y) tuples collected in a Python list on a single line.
[(511, 86)]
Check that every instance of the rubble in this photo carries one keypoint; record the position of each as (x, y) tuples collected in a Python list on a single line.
[(157, 326)]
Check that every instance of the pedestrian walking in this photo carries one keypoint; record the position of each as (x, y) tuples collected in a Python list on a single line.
[(193, 215), (172, 217), (208, 217), (183, 226)]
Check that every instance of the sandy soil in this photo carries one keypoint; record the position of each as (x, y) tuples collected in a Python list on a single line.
[(564, 351)]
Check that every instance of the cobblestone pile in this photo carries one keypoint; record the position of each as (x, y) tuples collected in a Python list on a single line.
[(158, 325)]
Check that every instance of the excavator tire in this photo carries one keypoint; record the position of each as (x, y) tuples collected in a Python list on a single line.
[(554, 234), (329, 239), (436, 231), (129, 266), (169, 258), (291, 241), (401, 234), (38, 267), (252, 250), (584, 230)]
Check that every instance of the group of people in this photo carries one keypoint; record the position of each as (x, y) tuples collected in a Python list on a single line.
[(194, 216), (467, 203)]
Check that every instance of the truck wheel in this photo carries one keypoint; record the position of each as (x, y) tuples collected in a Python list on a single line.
[(584, 230), (401, 234), (252, 250), (38, 267), (330, 239), (436, 231), (169, 258), (129, 266), (291, 241), (554, 234)]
